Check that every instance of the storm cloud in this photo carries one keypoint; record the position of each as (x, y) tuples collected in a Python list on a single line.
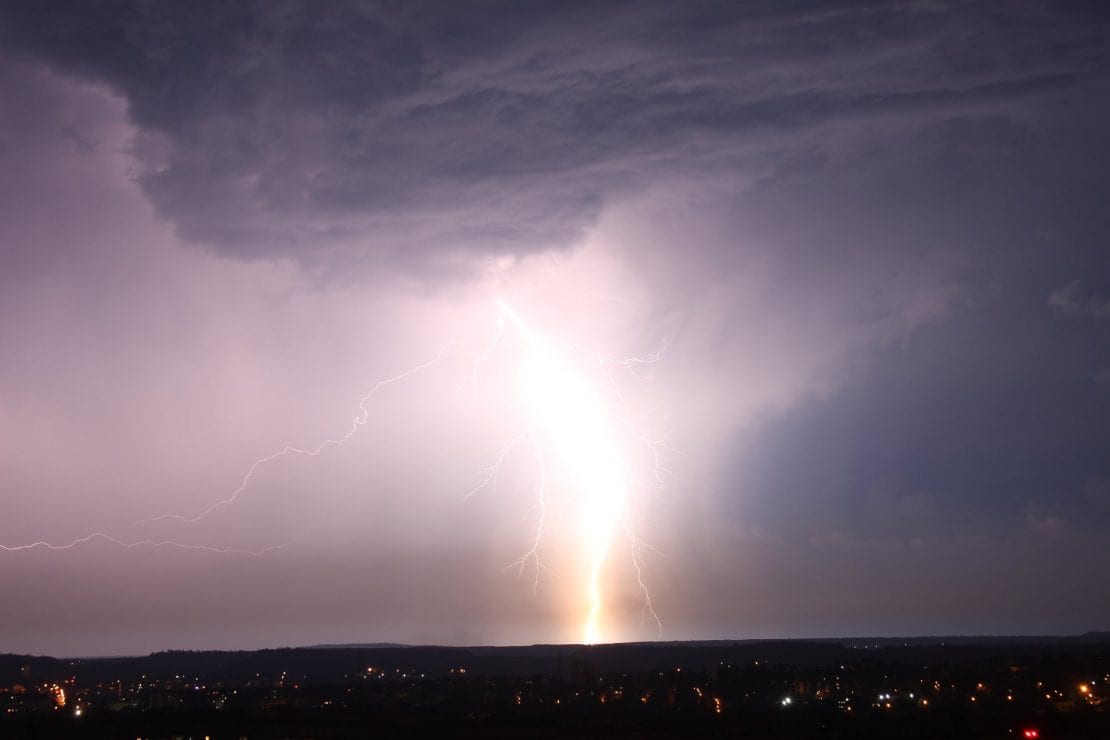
[(873, 237), (436, 134)]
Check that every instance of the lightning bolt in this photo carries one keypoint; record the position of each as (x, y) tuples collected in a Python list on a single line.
[(567, 420), (492, 472), (637, 559), (147, 543), (565, 408), (356, 424), (359, 420), (533, 552)]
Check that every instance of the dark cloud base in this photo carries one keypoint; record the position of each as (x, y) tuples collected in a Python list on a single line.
[(405, 135)]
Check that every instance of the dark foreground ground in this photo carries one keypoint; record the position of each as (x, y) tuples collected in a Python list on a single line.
[(673, 724), (353, 725), (1012, 688)]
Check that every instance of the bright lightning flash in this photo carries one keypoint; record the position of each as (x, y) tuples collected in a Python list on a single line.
[(568, 414), (567, 419), (356, 423)]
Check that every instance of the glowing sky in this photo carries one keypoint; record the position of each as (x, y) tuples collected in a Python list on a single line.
[(859, 254)]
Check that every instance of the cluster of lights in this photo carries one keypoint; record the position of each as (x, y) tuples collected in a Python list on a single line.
[(1088, 693)]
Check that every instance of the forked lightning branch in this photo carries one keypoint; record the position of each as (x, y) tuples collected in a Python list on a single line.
[(572, 424)]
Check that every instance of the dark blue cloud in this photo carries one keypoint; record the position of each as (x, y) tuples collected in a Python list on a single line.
[(991, 421)]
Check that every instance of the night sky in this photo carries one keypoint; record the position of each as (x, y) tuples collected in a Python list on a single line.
[(837, 274)]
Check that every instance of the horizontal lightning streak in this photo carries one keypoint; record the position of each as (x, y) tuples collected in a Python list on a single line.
[(537, 343), (147, 543), (356, 423)]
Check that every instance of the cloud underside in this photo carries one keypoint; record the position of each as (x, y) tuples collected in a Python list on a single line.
[(432, 138)]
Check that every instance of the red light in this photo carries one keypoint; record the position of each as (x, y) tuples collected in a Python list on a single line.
[(1031, 734)]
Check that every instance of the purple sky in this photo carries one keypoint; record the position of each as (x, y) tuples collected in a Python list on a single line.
[(871, 240)]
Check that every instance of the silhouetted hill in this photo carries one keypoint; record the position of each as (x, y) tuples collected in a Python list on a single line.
[(336, 663)]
